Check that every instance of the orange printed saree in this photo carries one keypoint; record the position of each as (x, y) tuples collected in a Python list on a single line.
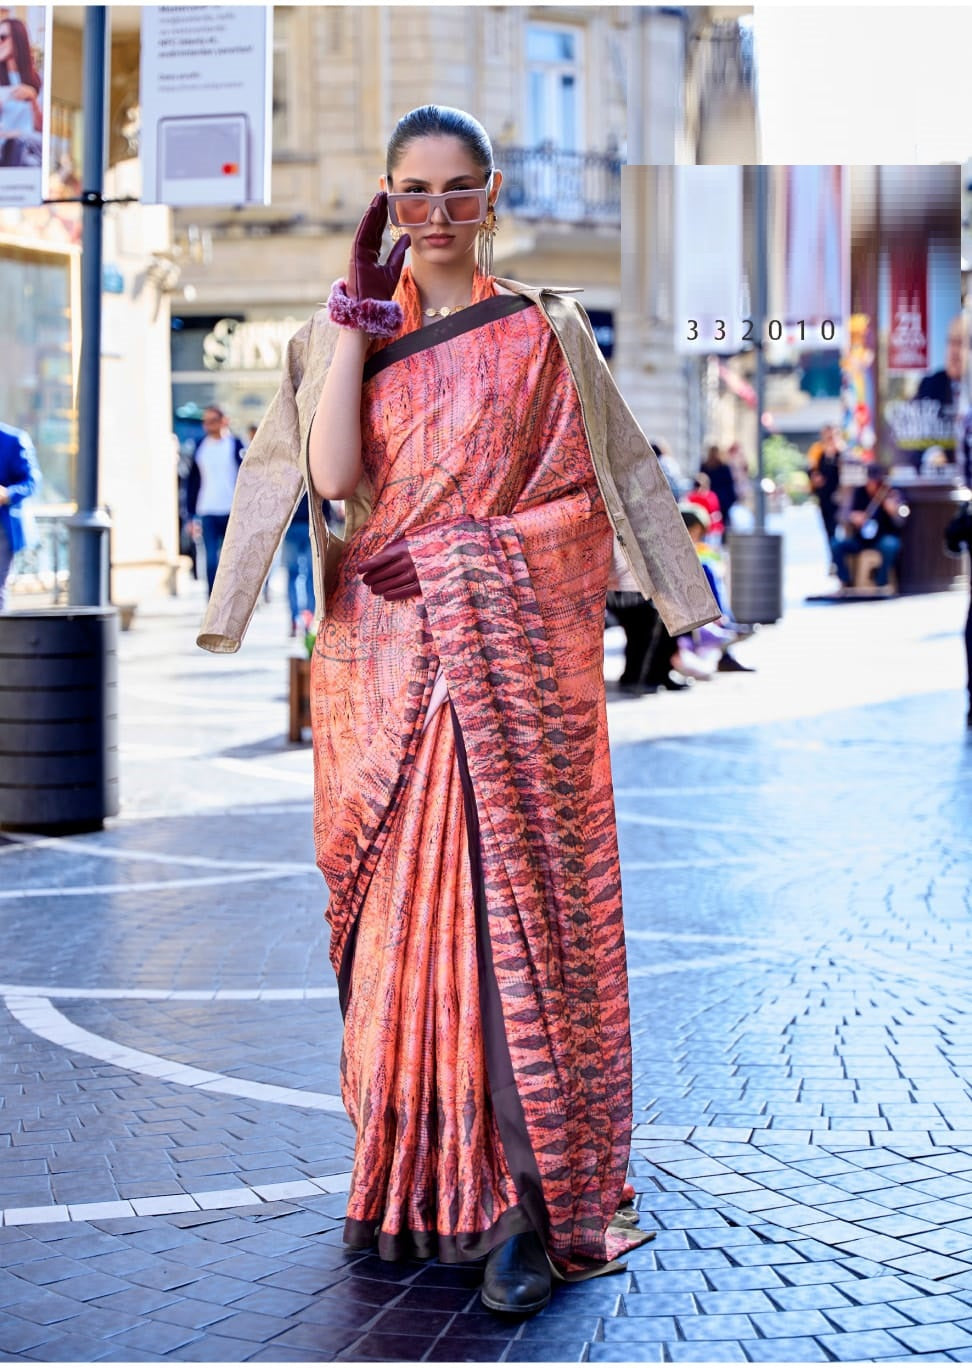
[(464, 815)]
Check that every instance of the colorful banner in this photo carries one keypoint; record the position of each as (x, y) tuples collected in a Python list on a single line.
[(206, 88), (857, 389), (908, 330), (25, 44)]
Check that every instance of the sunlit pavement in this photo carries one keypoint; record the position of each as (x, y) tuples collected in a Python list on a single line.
[(796, 847)]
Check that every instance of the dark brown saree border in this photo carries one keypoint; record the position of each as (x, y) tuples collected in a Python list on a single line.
[(503, 1092), (475, 316)]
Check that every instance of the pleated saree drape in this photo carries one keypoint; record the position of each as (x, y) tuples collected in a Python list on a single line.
[(464, 815)]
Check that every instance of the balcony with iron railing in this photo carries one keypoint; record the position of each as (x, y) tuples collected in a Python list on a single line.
[(572, 187)]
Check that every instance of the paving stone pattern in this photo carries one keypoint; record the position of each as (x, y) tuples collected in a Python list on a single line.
[(797, 900)]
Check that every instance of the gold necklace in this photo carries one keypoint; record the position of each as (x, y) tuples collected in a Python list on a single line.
[(445, 311)]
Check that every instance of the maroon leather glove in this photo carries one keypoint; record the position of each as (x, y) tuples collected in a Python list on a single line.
[(367, 278), (391, 573), (364, 301)]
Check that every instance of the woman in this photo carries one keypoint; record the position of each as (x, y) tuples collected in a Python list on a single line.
[(21, 115), (463, 807)]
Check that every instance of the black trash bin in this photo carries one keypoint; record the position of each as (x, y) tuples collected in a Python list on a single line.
[(756, 576), (58, 719)]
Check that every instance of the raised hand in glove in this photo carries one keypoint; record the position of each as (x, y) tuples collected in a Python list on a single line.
[(364, 300), (391, 573)]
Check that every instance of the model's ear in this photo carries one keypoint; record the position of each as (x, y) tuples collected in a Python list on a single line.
[(383, 183), (494, 187)]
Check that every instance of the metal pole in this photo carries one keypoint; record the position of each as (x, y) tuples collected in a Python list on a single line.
[(89, 526), (760, 329)]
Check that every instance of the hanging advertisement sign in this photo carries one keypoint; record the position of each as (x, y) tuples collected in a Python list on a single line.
[(908, 332), (708, 269), (206, 88), (25, 45), (816, 286)]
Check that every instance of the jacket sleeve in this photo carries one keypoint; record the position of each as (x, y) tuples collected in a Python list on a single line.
[(268, 489), (651, 534)]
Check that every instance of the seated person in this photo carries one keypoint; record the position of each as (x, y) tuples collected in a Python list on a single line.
[(874, 523)]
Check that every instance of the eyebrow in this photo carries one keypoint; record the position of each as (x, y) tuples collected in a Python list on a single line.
[(467, 176)]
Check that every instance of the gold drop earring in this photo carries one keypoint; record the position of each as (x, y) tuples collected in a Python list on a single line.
[(484, 244), (395, 232)]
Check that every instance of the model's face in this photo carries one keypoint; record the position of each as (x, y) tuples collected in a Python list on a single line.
[(436, 165)]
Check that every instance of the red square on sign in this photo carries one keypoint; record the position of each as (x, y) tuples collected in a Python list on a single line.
[(231, 168)]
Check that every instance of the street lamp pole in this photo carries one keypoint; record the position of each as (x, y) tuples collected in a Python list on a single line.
[(88, 548)]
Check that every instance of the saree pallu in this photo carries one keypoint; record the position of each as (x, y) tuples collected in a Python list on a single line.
[(464, 817)]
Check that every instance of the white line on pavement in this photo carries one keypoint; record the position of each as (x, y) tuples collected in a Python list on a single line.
[(707, 962), (39, 1015), (684, 823), (717, 861), (21, 990), (155, 885), (219, 1199), (71, 846), (263, 771)]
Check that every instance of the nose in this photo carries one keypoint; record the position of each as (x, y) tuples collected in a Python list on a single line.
[(438, 214)]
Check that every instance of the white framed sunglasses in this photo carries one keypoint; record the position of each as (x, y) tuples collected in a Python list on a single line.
[(413, 208)]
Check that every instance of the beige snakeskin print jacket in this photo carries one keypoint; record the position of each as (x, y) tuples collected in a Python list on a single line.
[(659, 557)]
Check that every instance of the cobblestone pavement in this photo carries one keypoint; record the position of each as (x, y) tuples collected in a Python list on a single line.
[(796, 847)]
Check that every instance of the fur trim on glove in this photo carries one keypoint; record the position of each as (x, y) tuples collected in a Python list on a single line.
[(379, 317)]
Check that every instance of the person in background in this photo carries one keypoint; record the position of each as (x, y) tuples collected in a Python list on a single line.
[(19, 478), (702, 495), (945, 386), (721, 481), (823, 468), (958, 538), (874, 523), (211, 484), (738, 463), (669, 467), (710, 643), (299, 566)]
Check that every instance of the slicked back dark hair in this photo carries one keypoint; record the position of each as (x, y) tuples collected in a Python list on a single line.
[(440, 121)]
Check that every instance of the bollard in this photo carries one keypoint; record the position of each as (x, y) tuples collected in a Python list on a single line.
[(58, 719)]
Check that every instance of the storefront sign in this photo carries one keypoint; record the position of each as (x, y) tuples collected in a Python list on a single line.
[(260, 344), (205, 98), (25, 42)]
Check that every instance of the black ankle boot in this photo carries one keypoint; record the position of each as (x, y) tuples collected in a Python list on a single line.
[(517, 1277)]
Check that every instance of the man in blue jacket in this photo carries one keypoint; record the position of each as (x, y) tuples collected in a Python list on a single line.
[(19, 477)]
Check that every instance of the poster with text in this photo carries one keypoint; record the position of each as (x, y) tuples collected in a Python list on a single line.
[(205, 94), (25, 44)]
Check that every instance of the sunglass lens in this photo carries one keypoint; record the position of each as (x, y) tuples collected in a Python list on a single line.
[(413, 210), (464, 208)]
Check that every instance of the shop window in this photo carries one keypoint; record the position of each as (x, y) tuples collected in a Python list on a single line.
[(554, 105), (36, 380)]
